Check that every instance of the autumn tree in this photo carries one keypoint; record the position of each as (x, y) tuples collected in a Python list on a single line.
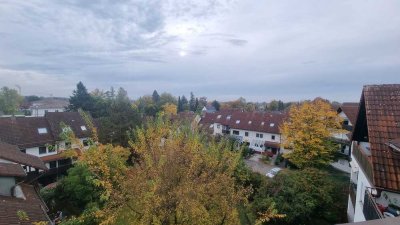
[(10, 100), (178, 178), (169, 109), (307, 132)]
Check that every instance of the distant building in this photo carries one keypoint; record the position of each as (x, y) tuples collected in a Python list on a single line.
[(374, 191), (209, 109), (40, 136), (20, 202), (348, 112), (40, 107), (259, 130)]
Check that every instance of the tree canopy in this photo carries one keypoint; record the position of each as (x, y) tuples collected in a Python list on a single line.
[(307, 133), (10, 100)]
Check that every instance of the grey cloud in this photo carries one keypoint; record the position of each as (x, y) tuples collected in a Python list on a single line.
[(237, 42)]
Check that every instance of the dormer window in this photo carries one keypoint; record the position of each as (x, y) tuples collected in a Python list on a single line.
[(271, 124), (83, 128), (42, 130), (219, 117), (237, 121), (228, 117)]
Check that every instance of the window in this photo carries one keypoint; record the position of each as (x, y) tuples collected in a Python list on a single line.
[(64, 162), (83, 128), (250, 122), (211, 126), (346, 122), (218, 126), (246, 134), (273, 137), (56, 110), (42, 150), (85, 143), (219, 117), (52, 164), (237, 121), (23, 150), (46, 111), (259, 135), (42, 130), (271, 124), (262, 123), (228, 117), (235, 132)]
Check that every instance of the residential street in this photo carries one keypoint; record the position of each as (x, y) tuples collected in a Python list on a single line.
[(255, 163)]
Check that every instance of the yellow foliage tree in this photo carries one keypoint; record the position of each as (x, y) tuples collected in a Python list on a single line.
[(178, 178), (169, 109), (308, 131)]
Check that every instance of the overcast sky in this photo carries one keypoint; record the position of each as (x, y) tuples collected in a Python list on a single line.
[(222, 49)]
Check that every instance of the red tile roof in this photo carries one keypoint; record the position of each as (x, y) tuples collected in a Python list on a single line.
[(11, 170), (351, 110), (13, 154), (381, 106), (267, 122), (32, 206)]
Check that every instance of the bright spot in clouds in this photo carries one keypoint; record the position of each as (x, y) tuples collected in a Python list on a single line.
[(182, 53)]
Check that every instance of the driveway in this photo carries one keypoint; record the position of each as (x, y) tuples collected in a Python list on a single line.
[(256, 165)]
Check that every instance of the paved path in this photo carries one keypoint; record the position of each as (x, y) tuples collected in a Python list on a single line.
[(255, 163)]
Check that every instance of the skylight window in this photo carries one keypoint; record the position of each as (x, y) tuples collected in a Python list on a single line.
[(219, 117), (228, 117), (262, 123), (250, 122), (83, 128), (42, 130), (271, 124), (66, 129), (237, 121)]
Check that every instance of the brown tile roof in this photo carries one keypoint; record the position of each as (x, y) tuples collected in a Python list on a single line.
[(71, 119), (11, 170), (351, 110), (382, 109), (267, 122), (13, 154), (23, 131), (32, 206)]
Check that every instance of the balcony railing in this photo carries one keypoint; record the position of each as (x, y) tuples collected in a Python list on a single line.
[(363, 160), (353, 193), (370, 209)]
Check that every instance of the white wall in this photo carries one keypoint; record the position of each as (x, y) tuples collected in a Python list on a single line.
[(343, 115), (253, 139), (362, 183), (41, 112)]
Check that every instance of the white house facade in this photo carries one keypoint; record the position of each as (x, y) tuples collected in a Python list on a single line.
[(259, 130)]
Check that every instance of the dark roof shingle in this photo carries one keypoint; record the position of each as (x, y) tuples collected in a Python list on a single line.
[(11, 170), (351, 110), (13, 154)]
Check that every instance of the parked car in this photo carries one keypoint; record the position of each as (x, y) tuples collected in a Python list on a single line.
[(273, 172)]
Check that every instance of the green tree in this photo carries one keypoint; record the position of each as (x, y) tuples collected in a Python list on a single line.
[(192, 102), (10, 100), (80, 99), (156, 97), (185, 103), (308, 131), (303, 196), (216, 105)]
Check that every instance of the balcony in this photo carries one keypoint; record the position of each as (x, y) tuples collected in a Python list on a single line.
[(363, 160), (370, 209), (353, 193)]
